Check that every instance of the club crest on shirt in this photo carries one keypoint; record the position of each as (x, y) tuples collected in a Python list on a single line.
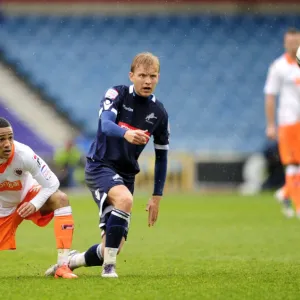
[(150, 117), (18, 172)]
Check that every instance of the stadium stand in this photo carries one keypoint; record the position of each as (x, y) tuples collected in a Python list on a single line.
[(212, 76)]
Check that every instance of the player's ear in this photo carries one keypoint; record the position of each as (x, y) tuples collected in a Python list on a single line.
[(131, 76)]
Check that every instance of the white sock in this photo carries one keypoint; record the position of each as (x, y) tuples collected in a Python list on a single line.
[(99, 252), (62, 256), (63, 211), (77, 261), (110, 255)]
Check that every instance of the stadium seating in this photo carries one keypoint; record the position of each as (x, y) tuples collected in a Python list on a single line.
[(212, 69)]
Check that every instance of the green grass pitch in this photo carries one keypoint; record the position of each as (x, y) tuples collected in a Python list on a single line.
[(203, 247)]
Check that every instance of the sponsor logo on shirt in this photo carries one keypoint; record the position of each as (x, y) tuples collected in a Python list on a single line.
[(127, 126), (127, 108), (117, 177), (11, 186)]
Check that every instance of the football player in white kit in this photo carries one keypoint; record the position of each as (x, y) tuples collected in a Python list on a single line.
[(283, 82), (29, 191)]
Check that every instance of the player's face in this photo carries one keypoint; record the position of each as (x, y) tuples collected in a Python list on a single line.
[(144, 79), (6, 142), (291, 43)]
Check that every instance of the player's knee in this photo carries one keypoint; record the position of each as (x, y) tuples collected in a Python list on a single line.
[(59, 200), (124, 203), (63, 200)]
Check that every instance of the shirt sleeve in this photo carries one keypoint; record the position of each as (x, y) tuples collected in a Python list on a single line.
[(43, 175), (160, 172), (161, 135), (273, 82), (109, 127)]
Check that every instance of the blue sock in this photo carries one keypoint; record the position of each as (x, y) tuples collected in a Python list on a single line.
[(93, 256), (116, 227)]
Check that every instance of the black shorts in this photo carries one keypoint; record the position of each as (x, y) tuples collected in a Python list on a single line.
[(100, 183)]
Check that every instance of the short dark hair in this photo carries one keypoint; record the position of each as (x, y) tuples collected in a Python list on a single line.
[(292, 30), (4, 123)]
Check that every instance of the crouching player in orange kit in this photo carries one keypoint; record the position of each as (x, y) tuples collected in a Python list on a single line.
[(29, 191)]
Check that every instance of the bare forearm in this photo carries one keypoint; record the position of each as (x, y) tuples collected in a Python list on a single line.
[(270, 109)]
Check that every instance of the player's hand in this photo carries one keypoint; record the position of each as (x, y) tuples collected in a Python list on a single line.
[(26, 209), (152, 209), (136, 137), (271, 132)]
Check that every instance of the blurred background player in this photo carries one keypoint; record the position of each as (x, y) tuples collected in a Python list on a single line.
[(29, 190), (128, 117), (67, 160), (284, 80)]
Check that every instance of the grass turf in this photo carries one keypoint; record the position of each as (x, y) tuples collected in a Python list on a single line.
[(203, 247)]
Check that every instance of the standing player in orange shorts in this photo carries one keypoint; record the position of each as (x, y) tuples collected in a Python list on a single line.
[(284, 81), (29, 190)]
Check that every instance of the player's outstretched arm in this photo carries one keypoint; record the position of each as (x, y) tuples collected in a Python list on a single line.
[(161, 163), (110, 128)]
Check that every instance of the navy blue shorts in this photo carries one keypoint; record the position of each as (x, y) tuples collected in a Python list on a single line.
[(99, 182)]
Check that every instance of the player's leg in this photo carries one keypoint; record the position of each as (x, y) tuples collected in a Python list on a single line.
[(94, 256), (101, 185), (113, 195), (8, 228), (283, 197), (287, 150), (116, 227), (58, 204), (296, 150)]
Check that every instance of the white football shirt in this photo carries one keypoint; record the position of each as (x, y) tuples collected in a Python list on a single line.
[(19, 174), (284, 80)]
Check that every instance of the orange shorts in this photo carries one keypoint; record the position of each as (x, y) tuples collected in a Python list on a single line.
[(9, 224), (289, 143)]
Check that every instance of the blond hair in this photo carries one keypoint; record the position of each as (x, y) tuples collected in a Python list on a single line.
[(146, 59)]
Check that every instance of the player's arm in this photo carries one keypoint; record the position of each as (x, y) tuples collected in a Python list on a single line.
[(108, 114), (270, 106), (271, 89), (161, 145), (44, 176)]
